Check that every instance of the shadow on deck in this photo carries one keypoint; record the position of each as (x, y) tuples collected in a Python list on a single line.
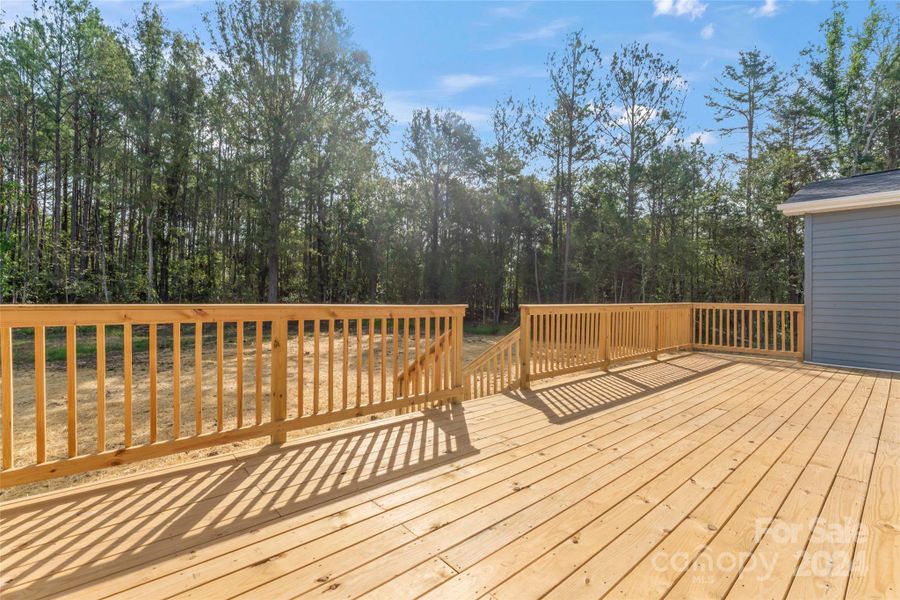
[(576, 398), (126, 524), (64, 540)]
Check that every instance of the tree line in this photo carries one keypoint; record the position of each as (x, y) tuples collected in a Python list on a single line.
[(140, 165)]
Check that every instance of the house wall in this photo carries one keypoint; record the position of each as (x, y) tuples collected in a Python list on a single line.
[(852, 288)]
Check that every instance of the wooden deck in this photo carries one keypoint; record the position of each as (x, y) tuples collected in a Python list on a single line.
[(698, 476)]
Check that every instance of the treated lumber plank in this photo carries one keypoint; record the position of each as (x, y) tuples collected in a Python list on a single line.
[(825, 566), (553, 492), (745, 528), (654, 507), (877, 550), (436, 500), (699, 526), (101, 388), (40, 394), (501, 435), (71, 391), (127, 407), (6, 373), (480, 577), (802, 507), (654, 574)]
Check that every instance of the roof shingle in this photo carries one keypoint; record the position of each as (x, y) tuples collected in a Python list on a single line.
[(869, 183)]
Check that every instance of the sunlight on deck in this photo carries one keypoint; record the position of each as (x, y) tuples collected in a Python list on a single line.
[(656, 478)]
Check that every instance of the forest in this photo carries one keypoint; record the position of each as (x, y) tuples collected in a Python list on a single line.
[(141, 165)]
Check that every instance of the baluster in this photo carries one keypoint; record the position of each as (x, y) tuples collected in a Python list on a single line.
[(40, 393), (220, 376), (127, 408), (101, 388), (72, 389), (176, 380), (239, 353), (6, 372)]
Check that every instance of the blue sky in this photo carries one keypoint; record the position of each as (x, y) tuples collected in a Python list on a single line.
[(466, 55)]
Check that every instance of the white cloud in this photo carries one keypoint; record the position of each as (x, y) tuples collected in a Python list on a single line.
[(475, 115), (511, 10), (679, 8), (639, 116), (402, 105), (769, 9), (400, 108), (544, 32), (707, 138), (460, 82), (707, 32), (678, 82)]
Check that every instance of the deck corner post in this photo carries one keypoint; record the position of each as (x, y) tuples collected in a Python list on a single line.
[(525, 348), (278, 389), (458, 341)]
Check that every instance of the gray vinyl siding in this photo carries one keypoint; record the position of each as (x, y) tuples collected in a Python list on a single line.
[(853, 288)]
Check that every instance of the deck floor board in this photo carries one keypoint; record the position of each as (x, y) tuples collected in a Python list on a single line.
[(639, 483)]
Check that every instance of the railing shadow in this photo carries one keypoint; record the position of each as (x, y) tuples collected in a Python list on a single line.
[(573, 399), (65, 542)]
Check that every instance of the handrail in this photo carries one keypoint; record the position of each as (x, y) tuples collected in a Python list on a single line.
[(433, 363), (564, 338), (560, 339), (769, 329), (398, 357), (419, 364), (496, 370), (149, 407)]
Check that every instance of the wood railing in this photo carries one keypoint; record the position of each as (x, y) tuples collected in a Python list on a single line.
[(496, 370), (307, 364), (772, 329), (433, 362), (560, 339)]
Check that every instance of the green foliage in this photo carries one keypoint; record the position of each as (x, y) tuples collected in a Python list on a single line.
[(139, 165)]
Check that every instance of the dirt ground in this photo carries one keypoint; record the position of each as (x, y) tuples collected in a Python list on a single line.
[(56, 385)]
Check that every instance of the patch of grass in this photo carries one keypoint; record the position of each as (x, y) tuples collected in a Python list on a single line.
[(86, 346)]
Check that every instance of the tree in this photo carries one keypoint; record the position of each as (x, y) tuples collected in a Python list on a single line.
[(745, 93), (854, 88), (570, 129), (444, 153), (143, 163), (645, 97), (148, 64), (504, 164), (284, 61)]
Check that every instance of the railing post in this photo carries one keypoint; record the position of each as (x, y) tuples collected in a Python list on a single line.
[(801, 335), (692, 323), (457, 357), (278, 383), (525, 348), (655, 333), (607, 332)]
